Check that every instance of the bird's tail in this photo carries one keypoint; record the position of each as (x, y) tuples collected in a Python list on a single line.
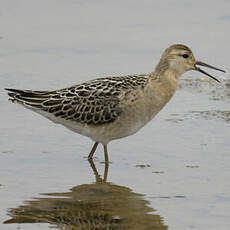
[(28, 98)]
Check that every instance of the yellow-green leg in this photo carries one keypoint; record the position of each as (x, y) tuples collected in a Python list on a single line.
[(90, 156), (106, 163)]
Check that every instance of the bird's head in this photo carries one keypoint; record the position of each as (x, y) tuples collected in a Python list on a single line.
[(180, 59)]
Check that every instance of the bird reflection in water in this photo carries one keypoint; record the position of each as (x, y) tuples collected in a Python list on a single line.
[(97, 206)]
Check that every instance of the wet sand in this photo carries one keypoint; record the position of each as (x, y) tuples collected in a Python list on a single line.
[(173, 174)]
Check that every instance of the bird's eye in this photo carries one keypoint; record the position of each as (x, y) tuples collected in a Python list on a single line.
[(185, 56)]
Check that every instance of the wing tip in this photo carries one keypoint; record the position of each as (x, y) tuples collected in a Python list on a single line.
[(12, 93)]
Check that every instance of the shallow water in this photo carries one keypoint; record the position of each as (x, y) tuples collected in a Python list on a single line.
[(173, 174)]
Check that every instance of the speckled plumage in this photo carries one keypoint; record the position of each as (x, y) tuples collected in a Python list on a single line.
[(109, 108), (93, 102)]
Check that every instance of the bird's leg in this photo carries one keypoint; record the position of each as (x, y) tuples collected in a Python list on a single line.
[(90, 156), (106, 163), (98, 177)]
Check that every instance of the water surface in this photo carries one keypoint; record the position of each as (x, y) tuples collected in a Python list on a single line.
[(173, 174)]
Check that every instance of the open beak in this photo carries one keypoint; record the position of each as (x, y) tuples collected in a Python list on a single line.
[(209, 66)]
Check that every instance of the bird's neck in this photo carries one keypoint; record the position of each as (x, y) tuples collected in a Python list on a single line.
[(164, 70), (164, 80)]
